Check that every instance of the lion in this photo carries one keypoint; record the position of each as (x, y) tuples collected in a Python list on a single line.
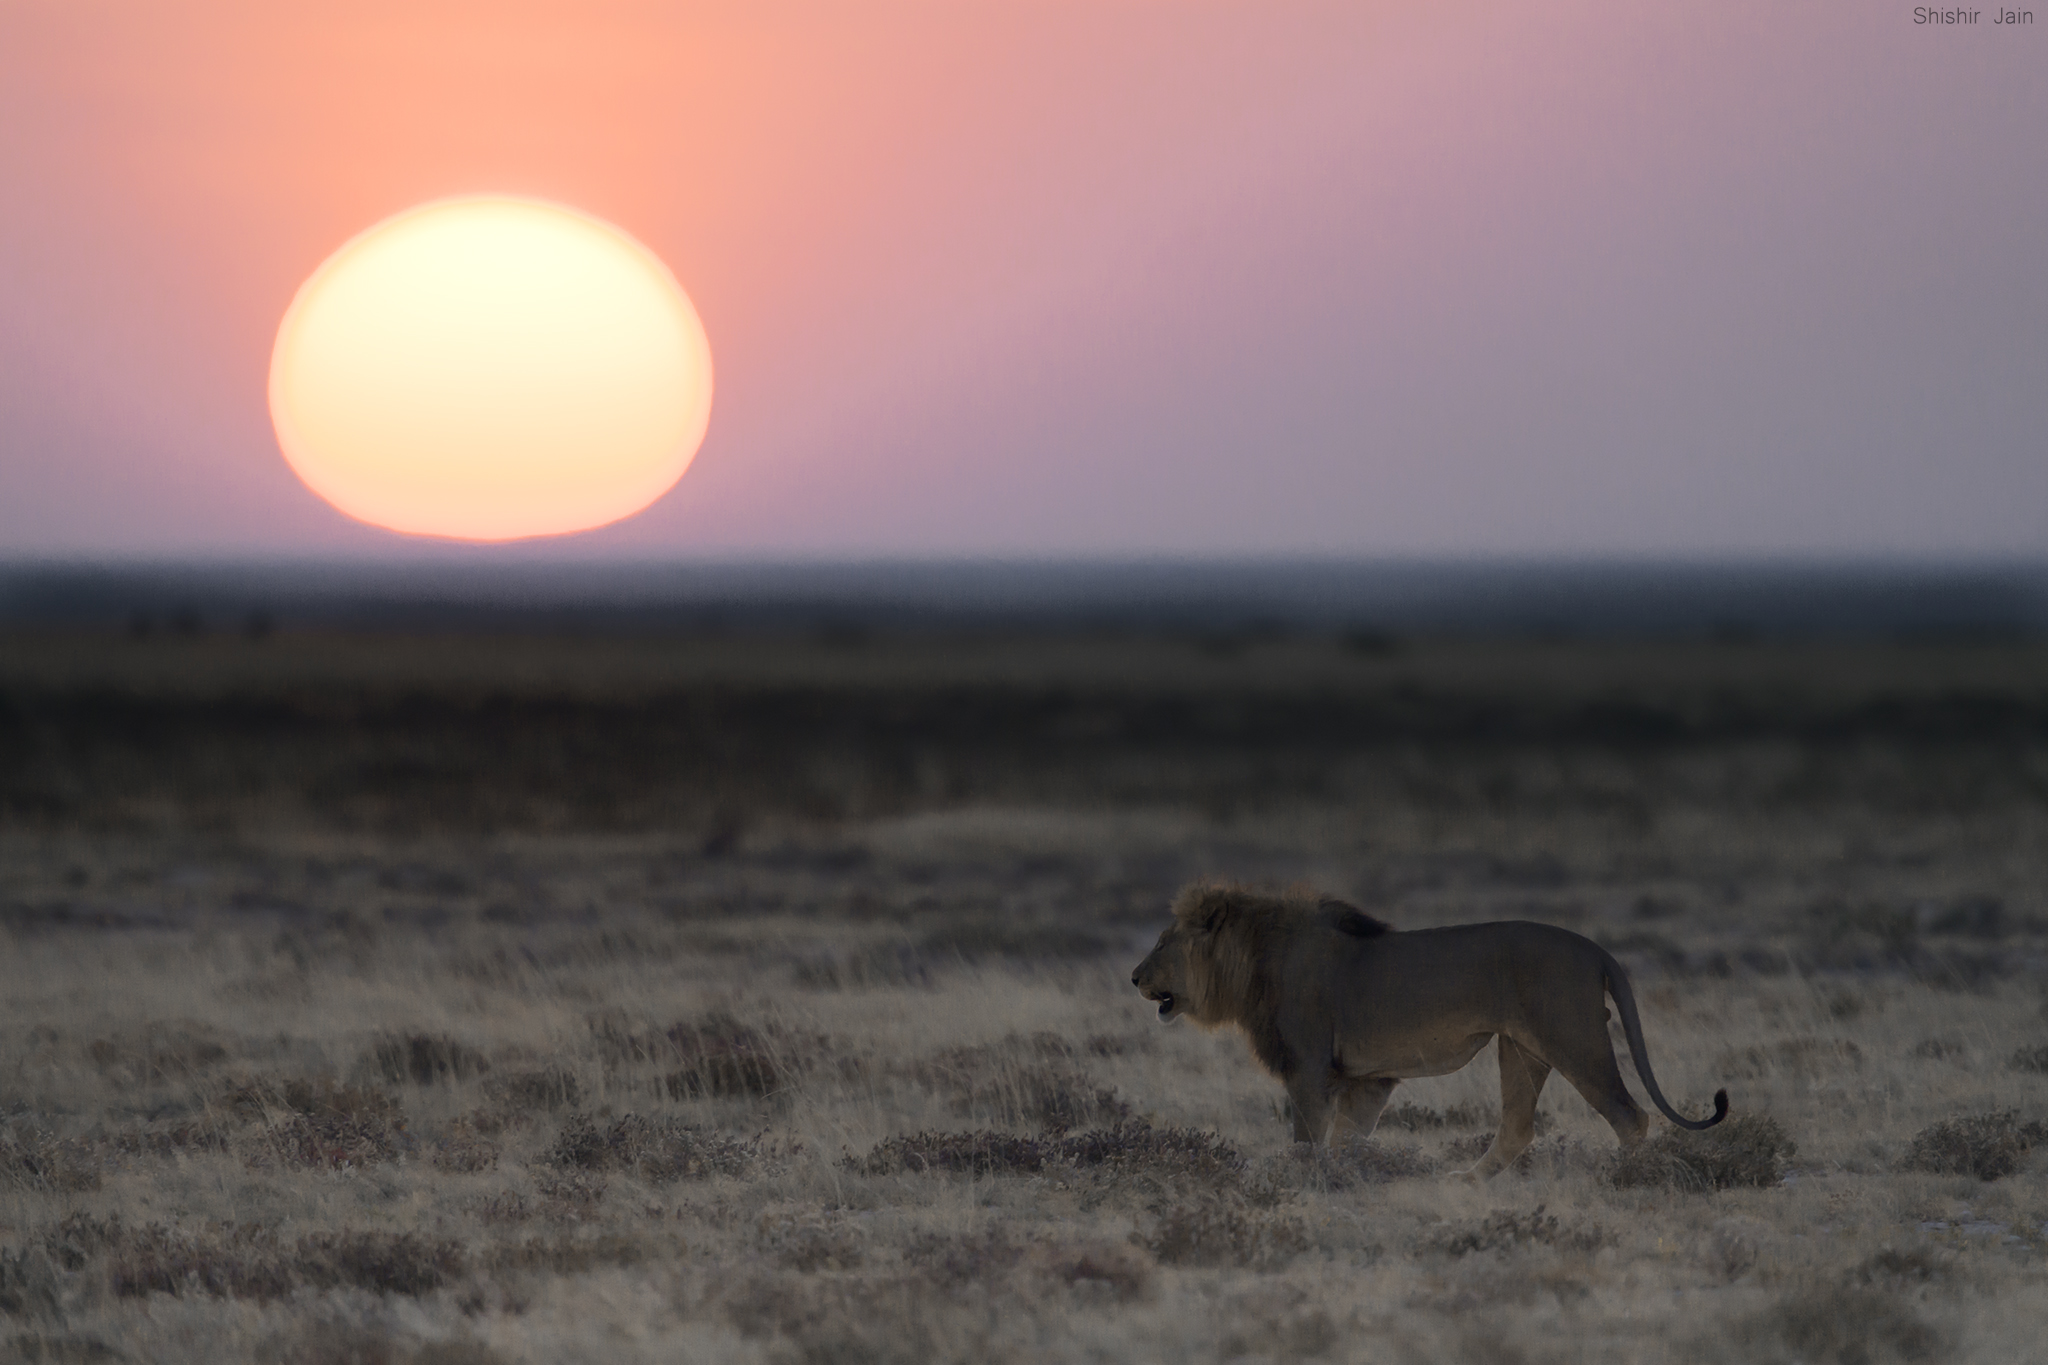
[(1343, 1008)]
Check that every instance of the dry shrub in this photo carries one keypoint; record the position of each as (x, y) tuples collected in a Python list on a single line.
[(715, 1056), (1127, 1150), (1021, 1082), (722, 1058), (1987, 1146), (1504, 1230), (423, 1059), (1106, 1269), (36, 1159), (1217, 1230), (1000, 1261), (466, 1154), (1189, 1155), (979, 1153), (809, 1240), (657, 1149), (320, 1123), (334, 1141), (1897, 1268), (169, 1139), (1345, 1165), (1464, 1151), (1842, 1325), (551, 1089), (1940, 1049), (335, 1340), (455, 1353), (1276, 1319), (1416, 1118), (566, 1255), (1730, 1250), (254, 1262), (28, 1283), (157, 1053), (955, 1260), (2033, 1059), (830, 1320), (32, 1348), (1745, 1151), (308, 1095), (79, 1238), (506, 1206), (570, 1196), (1118, 1045)]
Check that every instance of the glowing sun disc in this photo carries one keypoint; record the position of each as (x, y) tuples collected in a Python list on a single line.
[(490, 368)]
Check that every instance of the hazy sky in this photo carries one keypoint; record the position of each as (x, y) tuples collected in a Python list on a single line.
[(1568, 276)]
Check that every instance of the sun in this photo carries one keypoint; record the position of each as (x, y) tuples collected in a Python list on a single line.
[(490, 368)]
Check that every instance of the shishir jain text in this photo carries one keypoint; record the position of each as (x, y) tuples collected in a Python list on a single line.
[(1923, 15)]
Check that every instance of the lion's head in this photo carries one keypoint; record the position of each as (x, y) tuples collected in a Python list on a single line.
[(1206, 964), (1163, 975)]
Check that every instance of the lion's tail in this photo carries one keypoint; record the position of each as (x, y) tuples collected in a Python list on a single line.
[(1632, 1026)]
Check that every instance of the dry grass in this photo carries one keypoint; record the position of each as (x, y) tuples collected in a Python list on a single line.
[(406, 1049)]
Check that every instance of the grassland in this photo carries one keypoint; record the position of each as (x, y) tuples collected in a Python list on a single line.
[(477, 1000)]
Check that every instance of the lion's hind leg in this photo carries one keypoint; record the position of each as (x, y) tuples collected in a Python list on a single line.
[(1522, 1074), (1591, 1068)]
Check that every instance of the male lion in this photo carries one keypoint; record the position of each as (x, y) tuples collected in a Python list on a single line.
[(1342, 1008)]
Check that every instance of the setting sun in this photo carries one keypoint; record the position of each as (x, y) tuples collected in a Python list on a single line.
[(488, 369)]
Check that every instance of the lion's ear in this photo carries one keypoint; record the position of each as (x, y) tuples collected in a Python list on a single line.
[(1217, 912)]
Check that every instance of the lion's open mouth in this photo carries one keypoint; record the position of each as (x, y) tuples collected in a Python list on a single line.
[(1166, 1002)]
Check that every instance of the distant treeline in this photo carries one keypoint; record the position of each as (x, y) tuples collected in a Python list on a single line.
[(1513, 598)]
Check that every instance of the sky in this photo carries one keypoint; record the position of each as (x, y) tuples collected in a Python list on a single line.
[(1057, 278)]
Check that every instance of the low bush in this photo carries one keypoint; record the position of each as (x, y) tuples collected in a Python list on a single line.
[(1504, 1230), (2034, 1059), (1987, 1146), (659, 1149), (1343, 1165), (1846, 1323), (1220, 1231), (424, 1059), (1124, 1150), (245, 1261), (1416, 1118), (36, 1159), (1747, 1151)]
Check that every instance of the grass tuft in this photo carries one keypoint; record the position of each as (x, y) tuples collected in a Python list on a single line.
[(1418, 1118), (658, 1149), (1128, 1149), (1504, 1230), (1024, 1082), (2032, 1059), (1747, 1151), (1851, 1324), (244, 1261), (1987, 1146), (1213, 1230), (35, 1159), (424, 1059)]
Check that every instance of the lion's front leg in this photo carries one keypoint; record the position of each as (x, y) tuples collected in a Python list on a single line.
[(1309, 1090)]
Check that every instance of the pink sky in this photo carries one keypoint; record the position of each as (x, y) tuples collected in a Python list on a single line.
[(1032, 279)]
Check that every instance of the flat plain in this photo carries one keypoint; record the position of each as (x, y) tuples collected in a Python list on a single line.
[(764, 998)]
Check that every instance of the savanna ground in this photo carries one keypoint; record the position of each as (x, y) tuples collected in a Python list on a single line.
[(478, 1000)]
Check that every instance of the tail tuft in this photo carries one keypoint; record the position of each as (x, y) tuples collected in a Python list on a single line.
[(1720, 1107)]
